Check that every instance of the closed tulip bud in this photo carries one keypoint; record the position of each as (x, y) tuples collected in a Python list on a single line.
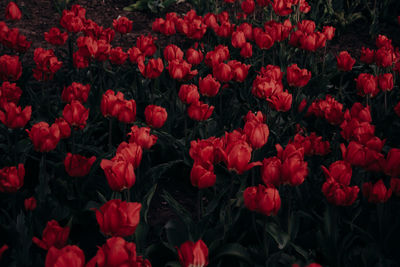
[(122, 25), (142, 137), (117, 252), (53, 236), (13, 12), (118, 218), (43, 137), (193, 254), (172, 52), (344, 61), (265, 200), (223, 72), (76, 114), (78, 165), (200, 111), (194, 56), (209, 86), (30, 203), (12, 178), (120, 174), (76, 91), (155, 116), (13, 116), (10, 68), (65, 257), (202, 175), (376, 193), (367, 55), (339, 194), (257, 134), (297, 77), (271, 171), (385, 81), (188, 93)]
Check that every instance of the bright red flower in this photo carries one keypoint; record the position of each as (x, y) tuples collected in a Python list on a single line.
[(13, 116), (118, 218), (271, 171), (142, 137), (377, 192), (188, 93), (13, 12), (53, 236), (282, 7), (297, 77), (12, 178), (385, 81), (65, 129), (339, 194), (237, 156), (200, 111), (44, 137), (223, 72), (344, 61), (340, 171), (119, 174), (10, 92), (122, 25), (239, 70), (262, 39), (329, 32), (246, 51), (71, 22), (117, 252), (47, 64), (67, 256), (202, 175), (153, 69), (104, 50), (281, 101), (256, 130), (117, 56), (134, 54), (76, 114), (367, 84), (10, 68), (155, 116), (193, 254), (205, 150), (265, 200), (181, 70), (77, 165), (294, 169), (30, 203), (248, 6), (75, 91), (172, 52), (146, 44), (383, 41), (194, 56), (55, 37), (384, 57), (129, 152)]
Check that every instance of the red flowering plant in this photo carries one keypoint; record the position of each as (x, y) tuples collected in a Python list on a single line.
[(223, 136)]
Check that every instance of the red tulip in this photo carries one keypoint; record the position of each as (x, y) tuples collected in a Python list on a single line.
[(193, 254), (262, 39), (297, 77), (122, 25), (395, 186), (146, 45), (340, 171), (13, 12), (367, 55), (282, 7), (193, 56), (256, 131), (76, 114), (30, 203), (294, 168), (188, 93), (129, 152), (392, 163), (385, 81), (384, 57), (104, 50), (76, 91), (119, 173), (12, 178), (77, 165), (53, 236), (13, 116), (344, 61), (71, 21), (10, 92), (69, 256), (134, 54), (200, 111), (155, 116), (153, 69), (55, 37), (238, 39), (247, 50), (65, 129), (118, 218), (339, 194), (281, 101), (118, 56), (271, 171), (209, 86), (43, 137), (367, 84), (47, 64), (172, 52), (202, 175), (181, 70), (142, 137), (237, 156), (2, 249), (262, 199), (376, 193), (117, 252), (329, 32), (10, 68), (205, 150)]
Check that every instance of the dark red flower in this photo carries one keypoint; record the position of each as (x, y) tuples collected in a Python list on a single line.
[(200, 111), (44, 137), (119, 173), (10, 68), (344, 61), (12, 178), (76, 114), (30, 203), (193, 254), (265, 200), (13, 116), (53, 236), (297, 77), (202, 175), (155, 116), (117, 56), (75, 91), (55, 37), (142, 137), (188, 93), (377, 192), (13, 12), (122, 25), (67, 256), (77, 165)]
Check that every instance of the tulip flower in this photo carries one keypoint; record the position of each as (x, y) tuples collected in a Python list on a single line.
[(53, 236), (65, 257), (193, 254)]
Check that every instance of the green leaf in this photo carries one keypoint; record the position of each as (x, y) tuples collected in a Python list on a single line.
[(183, 213), (281, 238), (148, 197), (234, 250)]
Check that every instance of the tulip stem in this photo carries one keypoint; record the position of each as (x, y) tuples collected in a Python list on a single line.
[(199, 204), (385, 102), (109, 134)]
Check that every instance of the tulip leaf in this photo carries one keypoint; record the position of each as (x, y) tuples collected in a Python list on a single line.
[(233, 250), (183, 213), (172, 264), (148, 197), (280, 237)]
